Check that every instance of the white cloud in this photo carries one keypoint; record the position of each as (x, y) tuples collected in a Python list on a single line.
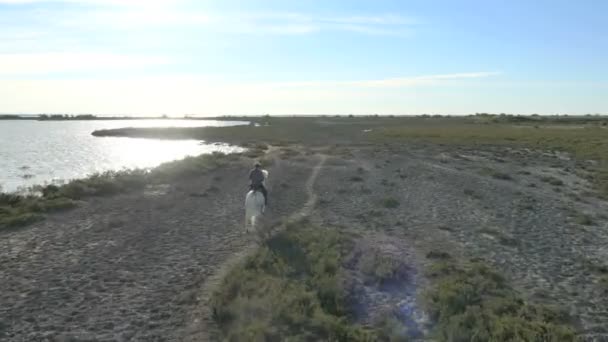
[(275, 23), (394, 82), (285, 22), (43, 63), (388, 19)]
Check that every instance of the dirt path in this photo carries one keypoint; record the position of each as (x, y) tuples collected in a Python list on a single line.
[(310, 191), (202, 327), (130, 267)]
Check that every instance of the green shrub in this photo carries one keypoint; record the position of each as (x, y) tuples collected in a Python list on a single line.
[(9, 199), (552, 180), (189, 167), (19, 220), (390, 203), (290, 288), (495, 174), (474, 303), (583, 219), (379, 268), (603, 284), (472, 193), (501, 175)]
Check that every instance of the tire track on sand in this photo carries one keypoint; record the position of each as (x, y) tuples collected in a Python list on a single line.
[(202, 327)]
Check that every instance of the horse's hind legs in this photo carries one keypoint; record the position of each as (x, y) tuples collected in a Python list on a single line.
[(247, 223)]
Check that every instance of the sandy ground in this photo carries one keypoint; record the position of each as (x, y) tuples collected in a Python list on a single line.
[(141, 267), (130, 267), (449, 203)]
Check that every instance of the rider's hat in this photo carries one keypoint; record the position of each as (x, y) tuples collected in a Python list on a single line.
[(257, 164)]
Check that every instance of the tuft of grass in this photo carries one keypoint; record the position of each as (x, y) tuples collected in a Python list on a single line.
[(445, 228), (583, 219), (508, 241), (495, 174), (595, 267), (439, 255), (603, 284), (501, 237), (390, 328), (472, 302), (390, 203), (356, 179), (375, 213), (380, 268), (552, 180), (471, 193), (365, 190), (501, 175)]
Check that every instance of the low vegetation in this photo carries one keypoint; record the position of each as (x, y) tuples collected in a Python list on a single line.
[(552, 180), (293, 287), (17, 211), (471, 302), (603, 284), (582, 137), (495, 174), (472, 193), (583, 219), (356, 179), (290, 288), (378, 267), (390, 203)]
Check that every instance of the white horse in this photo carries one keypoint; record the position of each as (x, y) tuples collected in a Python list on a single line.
[(254, 205)]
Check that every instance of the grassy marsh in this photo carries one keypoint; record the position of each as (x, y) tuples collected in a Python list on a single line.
[(586, 138)]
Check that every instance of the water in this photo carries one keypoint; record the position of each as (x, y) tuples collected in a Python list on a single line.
[(42, 152)]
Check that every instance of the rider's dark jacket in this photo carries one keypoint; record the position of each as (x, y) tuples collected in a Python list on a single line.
[(257, 177)]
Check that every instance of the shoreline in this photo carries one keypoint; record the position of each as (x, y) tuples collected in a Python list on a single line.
[(25, 190)]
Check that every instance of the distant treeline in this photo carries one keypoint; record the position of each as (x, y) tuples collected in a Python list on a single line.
[(489, 117), (67, 117)]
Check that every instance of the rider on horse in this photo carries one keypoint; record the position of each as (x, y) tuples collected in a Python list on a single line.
[(257, 178)]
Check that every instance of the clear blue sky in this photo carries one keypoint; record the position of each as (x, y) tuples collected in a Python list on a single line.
[(270, 56)]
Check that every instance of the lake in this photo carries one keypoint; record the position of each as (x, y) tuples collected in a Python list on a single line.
[(41, 152)]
